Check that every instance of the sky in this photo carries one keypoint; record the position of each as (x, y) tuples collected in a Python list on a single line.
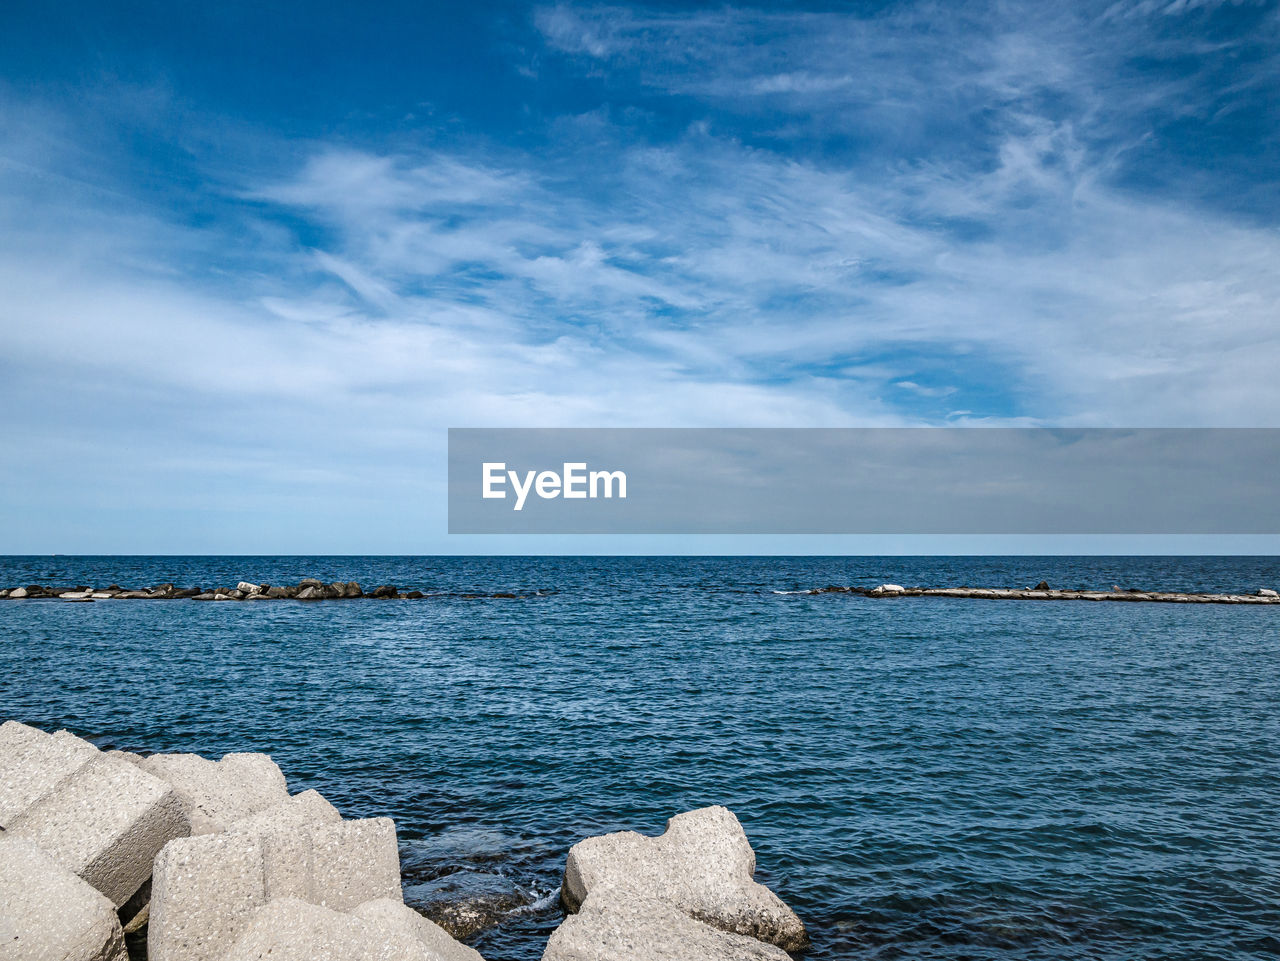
[(255, 259)]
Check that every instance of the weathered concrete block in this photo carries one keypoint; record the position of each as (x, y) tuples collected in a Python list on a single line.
[(301, 810), (32, 763), (219, 793), (205, 888), (105, 822), (703, 865), (623, 926), (49, 914), (203, 892), (353, 862), (293, 930), (394, 915)]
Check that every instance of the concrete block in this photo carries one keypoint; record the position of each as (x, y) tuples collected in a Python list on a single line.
[(293, 930), (394, 915), (702, 865), (203, 892), (105, 822), (32, 763), (636, 928), (219, 793), (353, 862), (49, 914)]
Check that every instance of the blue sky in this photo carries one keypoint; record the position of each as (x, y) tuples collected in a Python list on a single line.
[(256, 258)]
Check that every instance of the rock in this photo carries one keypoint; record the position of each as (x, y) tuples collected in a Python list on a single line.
[(386, 590), (75, 595), (219, 793), (206, 888), (135, 594), (203, 892), (309, 593), (469, 916), (703, 865), (631, 928), (1267, 592), (237, 595), (293, 930), (18, 592), (278, 591), (246, 588), (188, 592), (310, 582), (206, 596), (49, 914), (390, 914), (105, 822), (352, 590), (888, 589), (1042, 586), (413, 595), (4, 592), (222, 597)]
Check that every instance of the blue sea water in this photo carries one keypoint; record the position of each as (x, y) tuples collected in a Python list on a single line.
[(921, 777)]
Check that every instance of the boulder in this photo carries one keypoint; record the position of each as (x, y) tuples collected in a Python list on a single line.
[(293, 930), (1267, 592), (206, 888), (219, 793), (352, 589), (703, 865), (391, 914), (206, 596), (278, 591), (310, 582), (246, 588), (1042, 586), (631, 928), (386, 590), (18, 592), (105, 822), (310, 593), (49, 914), (888, 589)]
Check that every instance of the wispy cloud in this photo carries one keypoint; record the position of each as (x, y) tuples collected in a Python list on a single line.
[(924, 216)]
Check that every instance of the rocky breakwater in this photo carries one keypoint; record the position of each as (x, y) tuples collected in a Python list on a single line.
[(308, 589), (687, 895), (216, 859), (1043, 592)]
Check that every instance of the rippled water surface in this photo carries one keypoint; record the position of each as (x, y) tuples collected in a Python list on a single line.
[(921, 778)]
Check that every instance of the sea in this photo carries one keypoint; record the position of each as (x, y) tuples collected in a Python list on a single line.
[(919, 777)]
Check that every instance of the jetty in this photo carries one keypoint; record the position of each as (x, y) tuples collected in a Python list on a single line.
[(1042, 592), (308, 589)]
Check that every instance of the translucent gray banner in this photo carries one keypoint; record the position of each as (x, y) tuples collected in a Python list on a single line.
[(864, 481)]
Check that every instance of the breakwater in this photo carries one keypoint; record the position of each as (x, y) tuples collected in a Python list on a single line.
[(308, 589), (313, 589), (1042, 592)]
